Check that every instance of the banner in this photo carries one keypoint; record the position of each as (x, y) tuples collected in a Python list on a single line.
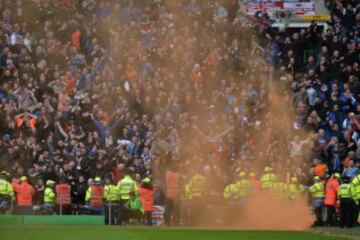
[(271, 7)]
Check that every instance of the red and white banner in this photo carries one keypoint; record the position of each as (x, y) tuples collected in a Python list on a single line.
[(271, 7)]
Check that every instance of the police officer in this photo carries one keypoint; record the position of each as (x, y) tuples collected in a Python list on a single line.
[(268, 178), (49, 197), (317, 191), (6, 192), (125, 187), (346, 203), (111, 197)]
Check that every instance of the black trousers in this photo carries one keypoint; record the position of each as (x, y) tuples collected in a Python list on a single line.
[(122, 216), (111, 212), (331, 215), (148, 218), (23, 210), (356, 212), (172, 209), (63, 209), (318, 215), (135, 214), (346, 212)]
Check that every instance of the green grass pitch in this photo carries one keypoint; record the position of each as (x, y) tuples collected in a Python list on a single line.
[(51, 232)]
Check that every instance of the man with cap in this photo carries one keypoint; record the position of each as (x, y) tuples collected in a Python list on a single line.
[(317, 191), (346, 204), (125, 186), (94, 195), (111, 198), (146, 194), (24, 196), (268, 178), (49, 197), (6, 192), (331, 192)]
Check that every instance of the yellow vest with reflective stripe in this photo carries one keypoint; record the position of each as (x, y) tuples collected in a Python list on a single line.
[(317, 190), (231, 192), (268, 180), (345, 191), (49, 196), (111, 193), (196, 186), (6, 188), (125, 186), (244, 187), (356, 187)]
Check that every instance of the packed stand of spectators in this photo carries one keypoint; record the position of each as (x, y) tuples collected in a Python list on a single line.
[(324, 68), (90, 88)]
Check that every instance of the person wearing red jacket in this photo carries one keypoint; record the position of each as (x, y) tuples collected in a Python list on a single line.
[(146, 194), (24, 195), (332, 187)]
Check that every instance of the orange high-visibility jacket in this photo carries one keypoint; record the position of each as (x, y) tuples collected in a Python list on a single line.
[(97, 193), (173, 189), (63, 194), (25, 193), (147, 198), (332, 187)]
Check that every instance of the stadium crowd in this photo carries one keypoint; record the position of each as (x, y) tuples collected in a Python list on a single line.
[(96, 90)]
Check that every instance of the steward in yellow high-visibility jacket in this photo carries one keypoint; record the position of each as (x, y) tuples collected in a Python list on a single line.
[(111, 202), (125, 186), (6, 192), (294, 189), (244, 185), (196, 187), (49, 197), (317, 191), (268, 179)]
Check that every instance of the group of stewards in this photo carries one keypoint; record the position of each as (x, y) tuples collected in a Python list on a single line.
[(119, 203), (336, 193)]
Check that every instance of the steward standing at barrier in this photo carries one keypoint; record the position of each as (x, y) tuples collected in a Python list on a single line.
[(195, 191), (294, 189), (94, 196), (331, 193), (63, 198), (6, 193), (268, 179), (111, 198), (317, 191), (49, 197), (146, 194), (24, 196), (125, 187), (173, 192), (347, 205)]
